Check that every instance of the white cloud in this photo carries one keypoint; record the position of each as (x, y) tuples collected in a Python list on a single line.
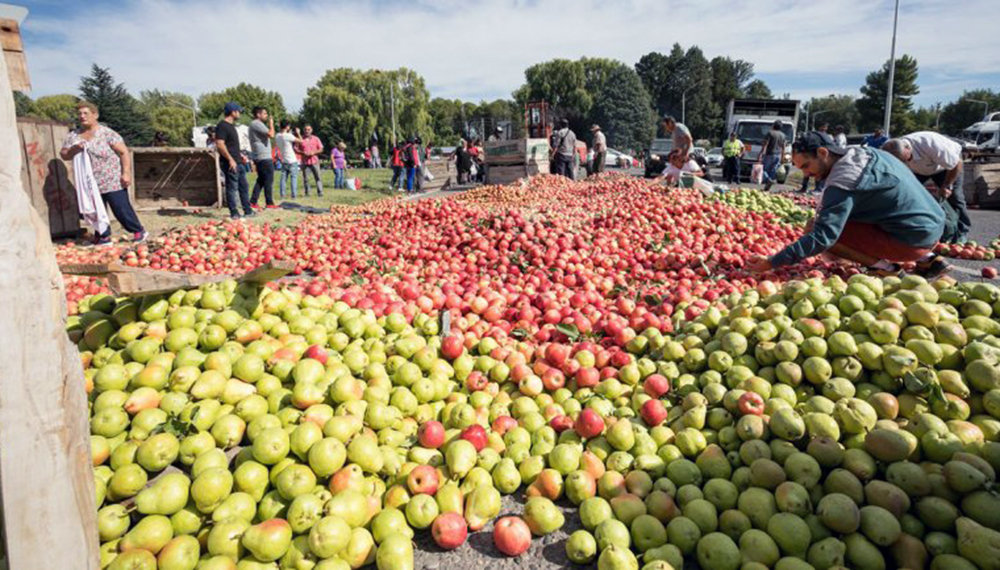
[(480, 49)]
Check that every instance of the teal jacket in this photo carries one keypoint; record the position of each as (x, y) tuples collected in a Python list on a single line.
[(870, 186)]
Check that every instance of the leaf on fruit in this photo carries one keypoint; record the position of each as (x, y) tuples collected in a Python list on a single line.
[(519, 333), (570, 331)]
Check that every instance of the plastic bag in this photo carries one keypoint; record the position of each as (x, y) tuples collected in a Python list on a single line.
[(757, 174), (353, 183), (473, 170)]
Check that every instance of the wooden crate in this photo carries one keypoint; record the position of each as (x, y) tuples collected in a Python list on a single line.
[(519, 151), (509, 174), (13, 55), (981, 184), (175, 178), (47, 178), (443, 172)]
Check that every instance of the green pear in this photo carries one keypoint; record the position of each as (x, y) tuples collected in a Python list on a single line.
[(151, 533), (269, 540), (271, 446), (126, 482), (460, 456), (390, 521), (237, 505), (299, 556), (329, 536), (187, 520), (133, 560), (621, 436), (251, 478), (194, 445), (211, 459), (327, 456), (273, 505), (158, 451), (303, 437), (295, 480), (450, 498), (363, 451), (225, 538), (210, 488), (166, 496), (112, 522), (304, 511), (181, 553), (395, 553), (481, 506), (349, 505), (217, 563)]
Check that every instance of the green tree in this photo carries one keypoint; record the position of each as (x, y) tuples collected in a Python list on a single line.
[(659, 73), (729, 79), (926, 118), (210, 105), (871, 105), (118, 109), (623, 110), (23, 105), (834, 110), (174, 122), (349, 105), (963, 112), (60, 108), (563, 85), (757, 89)]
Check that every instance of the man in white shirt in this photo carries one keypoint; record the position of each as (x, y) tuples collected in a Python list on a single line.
[(600, 147), (936, 158), (839, 136), (286, 142)]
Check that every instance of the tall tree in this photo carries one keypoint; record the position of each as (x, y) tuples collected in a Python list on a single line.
[(349, 105), (871, 105), (757, 89), (623, 110), (966, 110), (118, 109), (23, 105), (834, 110), (60, 108), (562, 84), (926, 118), (659, 73), (248, 96)]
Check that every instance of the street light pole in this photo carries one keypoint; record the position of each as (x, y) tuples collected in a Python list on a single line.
[(892, 73), (684, 103), (392, 104), (816, 114)]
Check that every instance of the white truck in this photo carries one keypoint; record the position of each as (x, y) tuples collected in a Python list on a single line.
[(751, 119), (985, 134)]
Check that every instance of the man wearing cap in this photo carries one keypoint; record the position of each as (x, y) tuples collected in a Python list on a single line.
[(227, 140), (563, 150), (680, 134), (873, 211), (732, 152), (936, 159), (600, 148)]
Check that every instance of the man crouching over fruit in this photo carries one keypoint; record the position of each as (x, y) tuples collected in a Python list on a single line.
[(873, 211)]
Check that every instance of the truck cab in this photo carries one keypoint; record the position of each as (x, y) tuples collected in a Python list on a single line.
[(751, 119), (985, 134)]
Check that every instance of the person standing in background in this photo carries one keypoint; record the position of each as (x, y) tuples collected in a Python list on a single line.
[(111, 166), (310, 149), (839, 136), (770, 155), (398, 180), (600, 148), (876, 139), (420, 160), (339, 161), (227, 140), (286, 142), (564, 150), (376, 156), (260, 152), (732, 152)]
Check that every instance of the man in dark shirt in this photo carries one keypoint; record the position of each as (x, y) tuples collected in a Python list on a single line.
[(227, 140), (774, 147)]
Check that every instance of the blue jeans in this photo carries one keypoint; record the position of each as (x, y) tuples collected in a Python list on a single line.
[(410, 175), (289, 171), (339, 178), (123, 211), (771, 168), (237, 191)]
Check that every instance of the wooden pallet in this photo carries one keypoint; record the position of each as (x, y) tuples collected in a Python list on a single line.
[(124, 280)]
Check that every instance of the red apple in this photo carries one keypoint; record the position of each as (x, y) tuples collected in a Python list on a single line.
[(751, 403), (476, 435), (503, 424), (656, 385), (423, 480), (476, 381), (589, 424), (989, 273), (587, 377), (449, 530), (561, 423), (512, 536), (316, 352), (653, 412), (556, 354), (452, 346), (431, 434)]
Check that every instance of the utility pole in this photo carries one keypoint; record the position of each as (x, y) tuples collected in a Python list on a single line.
[(985, 104), (892, 73)]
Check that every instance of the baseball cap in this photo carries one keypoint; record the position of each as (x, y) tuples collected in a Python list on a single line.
[(813, 140), (230, 107)]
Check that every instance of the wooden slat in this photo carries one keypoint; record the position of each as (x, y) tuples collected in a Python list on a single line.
[(92, 268), (269, 272), (67, 203), (38, 149), (46, 474), (10, 35), (17, 69)]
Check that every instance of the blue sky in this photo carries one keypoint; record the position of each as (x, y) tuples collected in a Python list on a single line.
[(475, 50)]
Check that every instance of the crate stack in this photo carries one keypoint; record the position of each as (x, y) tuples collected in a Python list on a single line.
[(511, 160)]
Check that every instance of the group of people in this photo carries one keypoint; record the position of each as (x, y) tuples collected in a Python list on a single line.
[(294, 152), (469, 160)]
